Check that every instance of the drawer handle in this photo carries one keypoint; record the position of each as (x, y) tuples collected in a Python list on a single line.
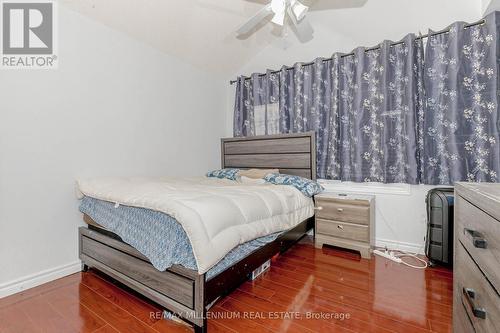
[(470, 295), (340, 210), (318, 208), (340, 227), (476, 237)]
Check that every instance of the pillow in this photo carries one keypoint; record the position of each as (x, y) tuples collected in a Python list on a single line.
[(306, 186), (231, 174), (252, 181), (257, 173)]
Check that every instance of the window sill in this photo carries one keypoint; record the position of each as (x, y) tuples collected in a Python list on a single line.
[(365, 188)]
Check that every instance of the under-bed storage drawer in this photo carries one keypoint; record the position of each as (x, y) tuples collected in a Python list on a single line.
[(174, 286)]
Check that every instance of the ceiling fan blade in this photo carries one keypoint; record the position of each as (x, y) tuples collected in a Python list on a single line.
[(254, 21), (303, 28), (329, 5)]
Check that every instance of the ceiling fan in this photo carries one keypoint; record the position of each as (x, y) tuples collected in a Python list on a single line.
[(293, 10)]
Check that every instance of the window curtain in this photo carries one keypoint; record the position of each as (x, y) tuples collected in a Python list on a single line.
[(255, 105), (390, 114), (362, 108), (461, 131), (308, 102), (378, 108)]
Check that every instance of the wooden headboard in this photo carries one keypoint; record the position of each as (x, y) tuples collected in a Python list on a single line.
[(293, 154)]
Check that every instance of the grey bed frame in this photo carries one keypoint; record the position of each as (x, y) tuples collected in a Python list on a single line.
[(182, 291)]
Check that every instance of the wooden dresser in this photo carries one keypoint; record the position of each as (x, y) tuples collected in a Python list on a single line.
[(476, 264), (345, 221)]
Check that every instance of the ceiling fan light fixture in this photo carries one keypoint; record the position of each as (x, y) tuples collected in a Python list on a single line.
[(282, 11), (298, 9), (279, 9), (279, 19)]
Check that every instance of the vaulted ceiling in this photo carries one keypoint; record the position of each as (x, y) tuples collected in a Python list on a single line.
[(200, 32)]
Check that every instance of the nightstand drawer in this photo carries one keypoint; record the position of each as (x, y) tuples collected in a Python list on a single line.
[(344, 212), (343, 230)]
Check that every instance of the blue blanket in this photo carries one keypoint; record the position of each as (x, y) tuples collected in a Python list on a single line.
[(159, 237)]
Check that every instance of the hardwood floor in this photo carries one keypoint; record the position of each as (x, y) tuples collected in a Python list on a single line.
[(306, 290)]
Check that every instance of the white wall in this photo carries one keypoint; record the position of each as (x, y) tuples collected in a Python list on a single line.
[(485, 4), (489, 6), (400, 218), (115, 106)]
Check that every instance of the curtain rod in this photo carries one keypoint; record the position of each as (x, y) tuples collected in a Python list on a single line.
[(370, 49)]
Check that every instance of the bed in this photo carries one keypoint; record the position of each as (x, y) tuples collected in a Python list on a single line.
[(184, 291)]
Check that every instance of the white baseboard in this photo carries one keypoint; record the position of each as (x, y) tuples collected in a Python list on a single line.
[(37, 279), (400, 246)]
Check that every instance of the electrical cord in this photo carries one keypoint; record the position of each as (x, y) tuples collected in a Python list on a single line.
[(398, 258), (403, 255)]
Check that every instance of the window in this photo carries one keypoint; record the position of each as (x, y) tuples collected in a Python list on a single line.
[(367, 188), (266, 115)]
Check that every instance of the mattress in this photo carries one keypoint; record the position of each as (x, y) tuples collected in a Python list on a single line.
[(158, 236), (217, 215)]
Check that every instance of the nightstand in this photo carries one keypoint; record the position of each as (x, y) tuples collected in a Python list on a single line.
[(346, 221)]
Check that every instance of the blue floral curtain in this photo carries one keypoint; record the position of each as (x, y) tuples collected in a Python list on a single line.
[(390, 114), (259, 90), (461, 134), (377, 107), (308, 103), (243, 123)]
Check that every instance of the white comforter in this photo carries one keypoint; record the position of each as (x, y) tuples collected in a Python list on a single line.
[(217, 214)]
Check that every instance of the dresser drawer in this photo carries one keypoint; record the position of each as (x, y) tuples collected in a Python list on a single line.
[(461, 321), (337, 210), (474, 292), (343, 230), (480, 235)]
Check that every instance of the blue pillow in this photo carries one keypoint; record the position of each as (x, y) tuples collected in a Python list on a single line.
[(306, 186), (231, 174)]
